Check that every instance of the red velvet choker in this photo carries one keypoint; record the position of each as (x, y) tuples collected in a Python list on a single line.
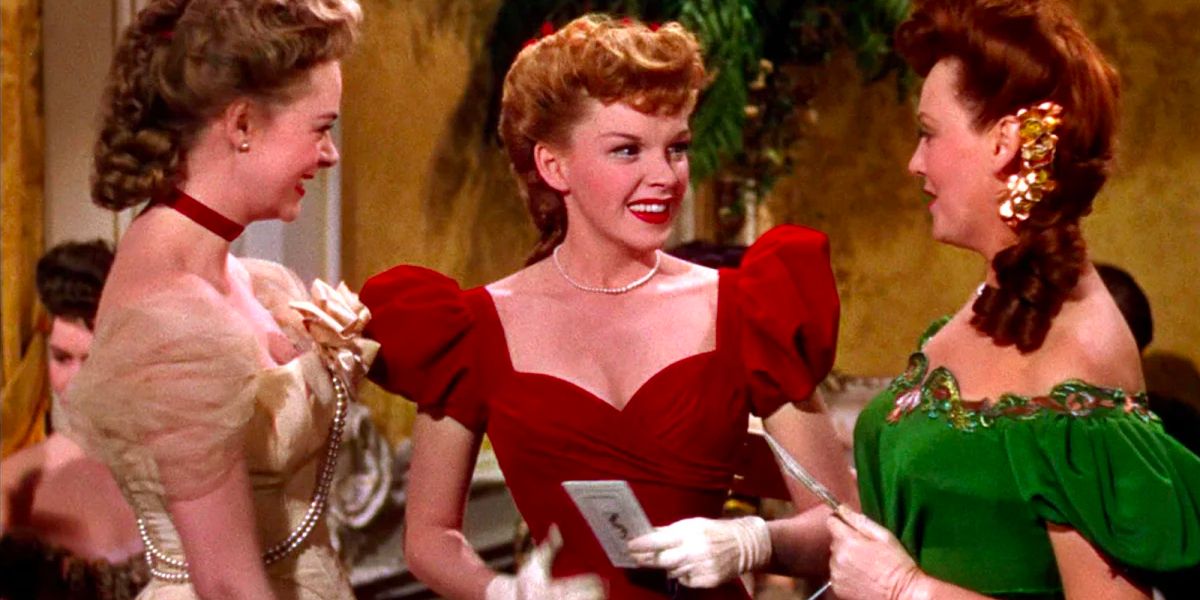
[(203, 215)]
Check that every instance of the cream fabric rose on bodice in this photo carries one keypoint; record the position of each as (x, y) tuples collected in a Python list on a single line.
[(335, 319)]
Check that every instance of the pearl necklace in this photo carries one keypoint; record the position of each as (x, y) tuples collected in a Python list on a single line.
[(597, 289), (316, 506)]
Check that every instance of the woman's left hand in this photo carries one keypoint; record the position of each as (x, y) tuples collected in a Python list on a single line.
[(867, 562)]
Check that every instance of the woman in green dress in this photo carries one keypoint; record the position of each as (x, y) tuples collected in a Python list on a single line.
[(1015, 456)]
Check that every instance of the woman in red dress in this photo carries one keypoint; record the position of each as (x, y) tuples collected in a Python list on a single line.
[(605, 358)]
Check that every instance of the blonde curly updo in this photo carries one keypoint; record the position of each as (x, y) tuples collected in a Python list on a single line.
[(184, 61)]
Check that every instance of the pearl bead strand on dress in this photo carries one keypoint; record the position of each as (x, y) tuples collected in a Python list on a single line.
[(316, 506)]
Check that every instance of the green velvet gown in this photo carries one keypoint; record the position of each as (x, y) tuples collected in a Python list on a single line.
[(968, 487)]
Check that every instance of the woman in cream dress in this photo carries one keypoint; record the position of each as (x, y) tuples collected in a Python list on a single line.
[(217, 387)]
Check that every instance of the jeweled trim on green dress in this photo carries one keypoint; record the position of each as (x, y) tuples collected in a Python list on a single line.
[(937, 394)]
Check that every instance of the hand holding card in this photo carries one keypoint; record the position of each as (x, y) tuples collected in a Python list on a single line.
[(613, 513), (704, 553)]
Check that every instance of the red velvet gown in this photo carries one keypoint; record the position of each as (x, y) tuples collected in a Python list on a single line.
[(678, 438)]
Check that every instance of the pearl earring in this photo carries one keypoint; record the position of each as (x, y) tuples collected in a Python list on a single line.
[(244, 147)]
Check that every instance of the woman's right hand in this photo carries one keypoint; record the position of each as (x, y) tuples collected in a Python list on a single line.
[(867, 562), (533, 581)]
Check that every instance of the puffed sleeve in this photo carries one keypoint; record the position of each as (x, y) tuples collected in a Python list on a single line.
[(427, 351), (1117, 479), (167, 392), (789, 308)]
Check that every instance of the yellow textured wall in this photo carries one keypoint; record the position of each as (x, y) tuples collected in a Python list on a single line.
[(1148, 220), (421, 188), (420, 185), (417, 186), (852, 182)]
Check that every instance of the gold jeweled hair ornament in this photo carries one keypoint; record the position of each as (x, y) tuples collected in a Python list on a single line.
[(1034, 180)]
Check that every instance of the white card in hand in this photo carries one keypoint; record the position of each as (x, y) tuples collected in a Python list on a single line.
[(613, 513)]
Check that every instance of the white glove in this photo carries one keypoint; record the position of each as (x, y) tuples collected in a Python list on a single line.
[(704, 553), (867, 562), (533, 581)]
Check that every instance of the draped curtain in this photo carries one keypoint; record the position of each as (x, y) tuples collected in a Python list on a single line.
[(22, 337)]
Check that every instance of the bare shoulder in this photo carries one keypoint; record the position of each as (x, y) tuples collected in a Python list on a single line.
[(1091, 341), (260, 273), (21, 465), (125, 290), (177, 306), (687, 274), (60, 450), (142, 270), (37, 462), (527, 280)]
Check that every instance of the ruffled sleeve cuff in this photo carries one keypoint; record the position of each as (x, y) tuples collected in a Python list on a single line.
[(427, 350), (1118, 479), (789, 308)]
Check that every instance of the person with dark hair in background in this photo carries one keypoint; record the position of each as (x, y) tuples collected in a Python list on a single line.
[(67, 531), (1016, 456), (68, 279), (217, 387), (1179, 419), (604, 359)]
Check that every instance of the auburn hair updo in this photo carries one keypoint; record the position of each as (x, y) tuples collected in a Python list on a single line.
[(1016, 54), (655, 70), (182, 62)]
